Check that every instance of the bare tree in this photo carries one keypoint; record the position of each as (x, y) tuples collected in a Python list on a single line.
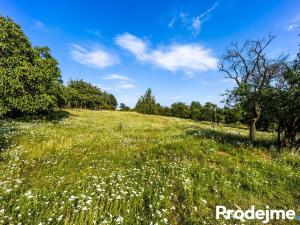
[(252, 71)]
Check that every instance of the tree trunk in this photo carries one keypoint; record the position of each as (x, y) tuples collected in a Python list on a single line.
[(278, 136), (253, 121)]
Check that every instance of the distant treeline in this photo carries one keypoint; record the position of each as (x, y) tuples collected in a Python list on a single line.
[(195, 111)]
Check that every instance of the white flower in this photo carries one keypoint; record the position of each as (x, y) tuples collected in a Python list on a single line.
[(118, 197), (72, 198), (119, 220), (8, 190)]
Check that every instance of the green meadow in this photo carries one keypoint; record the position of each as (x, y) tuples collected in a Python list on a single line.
[(109, 167)]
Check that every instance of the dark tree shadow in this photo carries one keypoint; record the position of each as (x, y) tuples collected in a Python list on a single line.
[(234, 126), (52, 116), (229, 138), (57, 116)]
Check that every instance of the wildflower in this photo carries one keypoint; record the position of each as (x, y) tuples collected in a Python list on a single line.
[(8, 190), (60, 218), (118, 197), (72, 198), (119, 220)]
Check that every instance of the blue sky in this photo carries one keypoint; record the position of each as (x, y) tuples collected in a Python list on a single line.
[(171, 46)]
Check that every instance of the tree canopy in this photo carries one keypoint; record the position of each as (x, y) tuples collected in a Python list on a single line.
[(253, 72), (147, 103), (81, 94), (30, 80)]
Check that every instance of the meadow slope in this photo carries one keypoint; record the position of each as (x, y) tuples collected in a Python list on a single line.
[(103, 167)]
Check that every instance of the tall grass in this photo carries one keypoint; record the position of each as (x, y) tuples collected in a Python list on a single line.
[(126, 168)]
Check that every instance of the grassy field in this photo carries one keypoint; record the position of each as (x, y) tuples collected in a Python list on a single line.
[(125, 168)]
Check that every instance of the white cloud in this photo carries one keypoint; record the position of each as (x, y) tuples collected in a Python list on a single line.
[(188, 58), (125, 85), (122, 82), (115, 76), (194, 23), (293, 23), (290, 27), (95, 57), (117, 87), (133, 44), (207, 12)]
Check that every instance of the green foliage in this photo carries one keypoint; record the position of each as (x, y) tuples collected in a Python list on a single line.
[(253, 72), (147, 103), (195, 110), (124, 107), (180, 110), (81, 94), (282, 105), (30, 80), (233, 114)]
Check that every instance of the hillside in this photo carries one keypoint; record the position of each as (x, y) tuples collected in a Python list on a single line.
[(106, 167)]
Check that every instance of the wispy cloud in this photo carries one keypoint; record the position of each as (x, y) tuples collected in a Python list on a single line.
[(207, 12), (95, 57), (172, 22), (135, 45), (39, 25), (115, 76), (189, 58), (123, 82), (125, 85), (293, 23), (193, 23)]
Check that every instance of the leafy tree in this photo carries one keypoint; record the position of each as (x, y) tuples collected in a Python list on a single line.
[(147, 103), (30, 80), (195, 110), (253, 72), (180, 110), (164, 111), (208, 112), (124, 107), (81, 94), (233, 114), (282, 102)]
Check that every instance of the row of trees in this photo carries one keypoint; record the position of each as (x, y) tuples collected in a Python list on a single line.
[(266, 94), (30, 79), (207, 112), (80, 94)]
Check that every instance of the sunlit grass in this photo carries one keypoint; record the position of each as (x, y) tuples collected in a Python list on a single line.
[(127, 168)]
